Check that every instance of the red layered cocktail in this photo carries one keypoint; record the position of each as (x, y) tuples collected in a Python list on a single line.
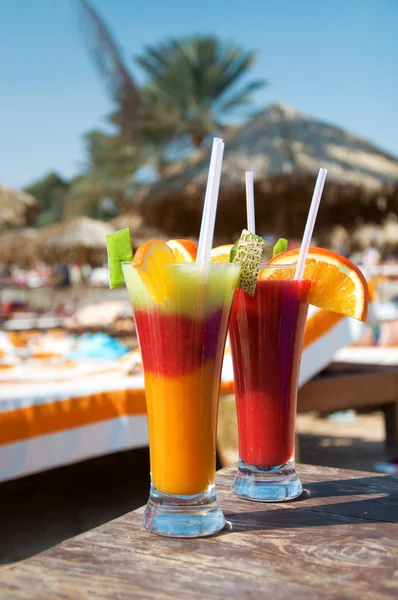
[(266, 332)]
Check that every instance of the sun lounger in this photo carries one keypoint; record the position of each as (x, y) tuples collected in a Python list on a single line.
[(78, 412), (358, 378), (61, 414)]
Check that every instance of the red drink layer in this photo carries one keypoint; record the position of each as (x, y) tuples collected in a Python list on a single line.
[(267, 332), (174, 344)]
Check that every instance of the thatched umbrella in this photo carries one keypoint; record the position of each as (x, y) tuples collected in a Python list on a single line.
[(19, 247), (17, 208), (80, 239), (285, 149)]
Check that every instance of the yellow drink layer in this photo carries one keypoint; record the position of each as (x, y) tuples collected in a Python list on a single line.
[(182, 418), (182, 343)]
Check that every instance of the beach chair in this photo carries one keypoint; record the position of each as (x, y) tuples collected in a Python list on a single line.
[(354, 377), (68, 413)]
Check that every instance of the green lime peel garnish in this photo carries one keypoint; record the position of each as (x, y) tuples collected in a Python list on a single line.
[(280, 246), (120, 251), (247, 252)]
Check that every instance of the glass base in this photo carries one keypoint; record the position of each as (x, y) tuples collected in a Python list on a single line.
[(183, 516), (267, 484)]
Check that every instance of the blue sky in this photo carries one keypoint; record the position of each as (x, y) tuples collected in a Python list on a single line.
[(333, 59)]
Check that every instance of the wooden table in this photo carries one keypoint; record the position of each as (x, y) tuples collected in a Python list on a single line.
[(340, 541)]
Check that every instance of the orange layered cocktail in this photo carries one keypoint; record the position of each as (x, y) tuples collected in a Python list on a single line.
[(181, 306), (182, 340)]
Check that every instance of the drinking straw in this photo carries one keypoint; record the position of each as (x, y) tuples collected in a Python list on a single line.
[(210, 204), (309, 226), (251, 224)]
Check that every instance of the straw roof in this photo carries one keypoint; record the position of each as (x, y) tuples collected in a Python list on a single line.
[(81, 239), (17, 207), (18, 247), (285, 149)]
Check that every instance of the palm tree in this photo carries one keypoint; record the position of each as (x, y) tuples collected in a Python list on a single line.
[(192, 88), (196, 81), (108, 175), (156, 128), (51, 192)]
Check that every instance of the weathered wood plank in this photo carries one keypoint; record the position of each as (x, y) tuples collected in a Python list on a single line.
[(339, 542)]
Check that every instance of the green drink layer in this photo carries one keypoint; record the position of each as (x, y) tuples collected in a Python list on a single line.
[(191, 285)]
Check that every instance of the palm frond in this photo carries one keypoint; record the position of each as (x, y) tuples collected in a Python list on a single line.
[(196, 72), (108, 59), (243, 96)]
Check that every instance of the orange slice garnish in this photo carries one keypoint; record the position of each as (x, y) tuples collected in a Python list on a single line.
[(184, 251), (221, 254), (337, 284), (150, 262)]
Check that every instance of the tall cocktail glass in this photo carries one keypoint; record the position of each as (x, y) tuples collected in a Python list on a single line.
[(267, 333), (182, 343)]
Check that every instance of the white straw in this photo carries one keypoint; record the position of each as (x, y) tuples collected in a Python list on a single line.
[(210, 204), (251, 224), (309, 226)]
